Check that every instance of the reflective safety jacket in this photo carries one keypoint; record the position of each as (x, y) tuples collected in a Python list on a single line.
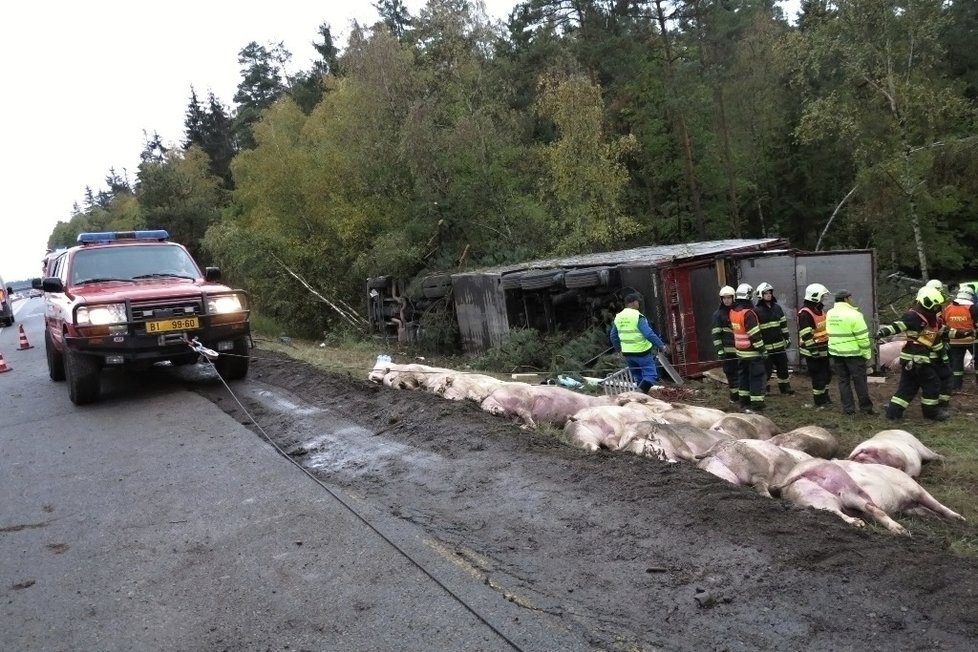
[(813, 338), (922, 329), (848, 333), (723, 338), (774, 325), (632, 334), (960, 320), (746, 330)]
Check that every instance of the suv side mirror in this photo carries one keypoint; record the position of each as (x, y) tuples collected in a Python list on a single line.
[(52, 284), (212, 274), (36, 283)]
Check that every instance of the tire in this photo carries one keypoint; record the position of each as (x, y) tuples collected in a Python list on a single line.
[(234, 366), (56, 360), (82, 373), (435, 292)]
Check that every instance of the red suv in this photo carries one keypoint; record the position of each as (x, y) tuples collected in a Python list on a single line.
[(135, 298)]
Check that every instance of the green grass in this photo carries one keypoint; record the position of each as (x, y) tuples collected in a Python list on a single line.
[(953, 482)]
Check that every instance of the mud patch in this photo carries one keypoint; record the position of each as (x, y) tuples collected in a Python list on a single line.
[(629, 552)]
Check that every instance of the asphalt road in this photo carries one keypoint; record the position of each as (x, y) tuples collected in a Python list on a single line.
[(153, 521)]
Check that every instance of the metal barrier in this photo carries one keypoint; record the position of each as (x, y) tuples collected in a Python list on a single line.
[(619, 382)]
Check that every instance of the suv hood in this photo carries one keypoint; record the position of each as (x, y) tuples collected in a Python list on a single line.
[(119, 292)]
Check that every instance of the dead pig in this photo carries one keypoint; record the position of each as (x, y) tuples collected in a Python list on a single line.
[(888, 489), (824, 485), (746, 426), (603, 426), (748, 462), (814, 440), (686, 436), (896, 448), (534, 404), (700, 417), (474, 387)]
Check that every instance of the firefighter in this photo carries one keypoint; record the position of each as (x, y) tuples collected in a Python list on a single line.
[(632, 336), (922, 327), (960, 317), (723, 342), (940, 354), (813, 342), (750, 350), (774, 331)]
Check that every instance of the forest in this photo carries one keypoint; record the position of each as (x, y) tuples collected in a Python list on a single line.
[(443, 141)]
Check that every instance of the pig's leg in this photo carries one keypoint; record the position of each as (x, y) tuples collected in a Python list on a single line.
[(760, 484), (804, 492), (924, 500), (626, 439), (863, 503)]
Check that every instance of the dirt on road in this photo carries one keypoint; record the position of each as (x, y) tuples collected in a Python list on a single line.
[(632, 553)]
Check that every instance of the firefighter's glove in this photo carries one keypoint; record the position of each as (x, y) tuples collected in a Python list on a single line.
[(882, 332), (907, 364)]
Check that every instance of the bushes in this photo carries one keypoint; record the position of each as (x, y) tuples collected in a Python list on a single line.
[(530, 350)]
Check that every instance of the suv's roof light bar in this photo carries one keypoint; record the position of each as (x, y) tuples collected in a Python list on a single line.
[(111, 236)]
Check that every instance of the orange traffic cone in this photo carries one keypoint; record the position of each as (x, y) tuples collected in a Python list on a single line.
[(3, 365), (24, 344)]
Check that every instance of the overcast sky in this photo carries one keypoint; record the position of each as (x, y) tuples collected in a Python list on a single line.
[(85, 79)]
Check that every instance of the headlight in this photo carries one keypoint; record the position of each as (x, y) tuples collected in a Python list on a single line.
[(224, 304), (112, 313)]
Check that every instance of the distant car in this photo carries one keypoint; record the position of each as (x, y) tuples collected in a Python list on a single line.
[(32, 293), (135, 298)]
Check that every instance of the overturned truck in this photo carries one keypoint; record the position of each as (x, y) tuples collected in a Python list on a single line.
[(679, 284)]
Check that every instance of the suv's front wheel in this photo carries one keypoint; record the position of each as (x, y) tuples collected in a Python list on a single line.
[(233, 365), (82, 372), (56, 361)]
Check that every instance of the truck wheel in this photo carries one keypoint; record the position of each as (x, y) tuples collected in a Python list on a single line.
[(82, 373), (234, 366), (56, 361)]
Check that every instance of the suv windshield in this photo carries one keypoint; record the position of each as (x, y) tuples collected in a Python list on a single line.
[(131, 263)]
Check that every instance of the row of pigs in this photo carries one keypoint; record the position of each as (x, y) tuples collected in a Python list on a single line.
[(877, 478)]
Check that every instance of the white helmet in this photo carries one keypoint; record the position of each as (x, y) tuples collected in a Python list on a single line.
[(762, 288), (727, 291), (965, 296), (930, 298), (815, 292), (926, 290), (744, 290)]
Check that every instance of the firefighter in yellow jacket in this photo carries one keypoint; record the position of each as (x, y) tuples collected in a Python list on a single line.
[(635, 339), (849, 350)]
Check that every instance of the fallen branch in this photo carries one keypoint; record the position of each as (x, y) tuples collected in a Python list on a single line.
[(350, 315)]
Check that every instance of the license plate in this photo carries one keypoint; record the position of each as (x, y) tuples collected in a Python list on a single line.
[(166, 325)]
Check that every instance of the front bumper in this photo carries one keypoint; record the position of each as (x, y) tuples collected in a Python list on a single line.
[(135, 345)]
